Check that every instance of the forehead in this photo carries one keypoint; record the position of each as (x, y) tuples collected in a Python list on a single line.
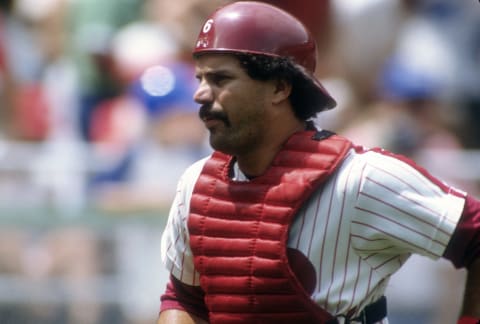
[(217, 61)]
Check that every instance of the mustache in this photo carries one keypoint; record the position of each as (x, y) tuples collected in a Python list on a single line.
[(206, 112)]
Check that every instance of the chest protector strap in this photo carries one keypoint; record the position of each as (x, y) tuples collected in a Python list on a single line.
[(239, 232)]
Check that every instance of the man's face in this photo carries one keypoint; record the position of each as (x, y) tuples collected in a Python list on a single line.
[(234, 107)]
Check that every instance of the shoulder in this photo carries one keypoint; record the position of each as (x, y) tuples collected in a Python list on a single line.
[(189, 178), (194, 170), (382, 161), (380, 171), (403, 168)]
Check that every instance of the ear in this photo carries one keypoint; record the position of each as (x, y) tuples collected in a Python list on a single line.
[(282, 91)]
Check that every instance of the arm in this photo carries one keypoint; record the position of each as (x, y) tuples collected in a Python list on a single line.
[(464, 251), (176, 316), (471, 299), (182, 304)]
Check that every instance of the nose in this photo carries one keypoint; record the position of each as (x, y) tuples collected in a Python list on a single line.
[(203, 94)]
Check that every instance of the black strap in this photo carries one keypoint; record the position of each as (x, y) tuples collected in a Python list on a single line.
[(372, 313), (322, 134)]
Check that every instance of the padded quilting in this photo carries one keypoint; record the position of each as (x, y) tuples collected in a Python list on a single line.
[(239, 231)]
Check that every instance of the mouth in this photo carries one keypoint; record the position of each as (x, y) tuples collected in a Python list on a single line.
[(211, 122), (211, 118)]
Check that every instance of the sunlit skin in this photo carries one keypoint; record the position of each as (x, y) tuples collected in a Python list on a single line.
[(246, 118), (176, 316)]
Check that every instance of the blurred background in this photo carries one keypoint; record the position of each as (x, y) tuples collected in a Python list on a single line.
[(97, 123)]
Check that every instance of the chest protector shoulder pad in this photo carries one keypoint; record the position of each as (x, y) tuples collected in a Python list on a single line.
[(239, 232)]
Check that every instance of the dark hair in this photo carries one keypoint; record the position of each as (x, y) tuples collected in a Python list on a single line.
[(305, 98)]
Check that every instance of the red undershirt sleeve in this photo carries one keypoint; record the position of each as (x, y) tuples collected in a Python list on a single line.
[(464, 245), (184, 297)]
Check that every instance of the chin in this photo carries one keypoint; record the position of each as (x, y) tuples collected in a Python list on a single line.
[(221, 146)]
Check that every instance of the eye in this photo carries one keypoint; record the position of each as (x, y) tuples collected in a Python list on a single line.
[(219, 79)]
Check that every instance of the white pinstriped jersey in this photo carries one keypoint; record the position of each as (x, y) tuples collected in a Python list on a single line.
[(357, 229)]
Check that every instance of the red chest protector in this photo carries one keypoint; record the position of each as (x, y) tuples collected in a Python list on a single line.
[(239, 232)]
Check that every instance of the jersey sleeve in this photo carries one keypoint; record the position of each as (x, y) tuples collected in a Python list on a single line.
[(401, 209), (464, 246), (175, 249), (181, 296)]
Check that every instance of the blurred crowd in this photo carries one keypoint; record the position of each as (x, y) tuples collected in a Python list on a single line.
[(105, 88), (96, 104)]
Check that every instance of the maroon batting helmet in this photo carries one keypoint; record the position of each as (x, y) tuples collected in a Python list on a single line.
[(259, 28)]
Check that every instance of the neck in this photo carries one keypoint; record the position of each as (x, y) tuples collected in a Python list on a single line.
[(255, 162)]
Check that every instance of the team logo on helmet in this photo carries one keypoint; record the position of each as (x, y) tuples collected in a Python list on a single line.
[(203, 39)]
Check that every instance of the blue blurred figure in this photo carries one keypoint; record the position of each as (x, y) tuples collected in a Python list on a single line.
[(168, 137)]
